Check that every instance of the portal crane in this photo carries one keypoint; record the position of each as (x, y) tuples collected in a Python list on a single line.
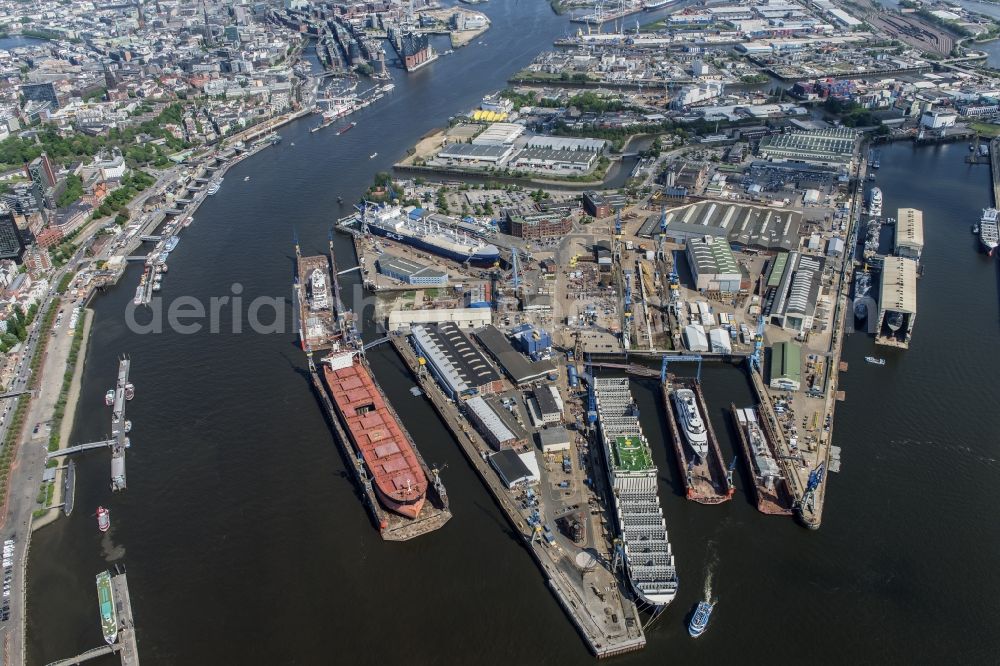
[(678, 358)]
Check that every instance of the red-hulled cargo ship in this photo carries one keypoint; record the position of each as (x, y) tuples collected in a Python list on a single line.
[(376, 433)]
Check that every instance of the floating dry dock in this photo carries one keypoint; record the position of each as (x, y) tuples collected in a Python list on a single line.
[(706, 479)]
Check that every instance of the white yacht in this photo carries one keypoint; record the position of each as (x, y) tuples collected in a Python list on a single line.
[(691, 422)]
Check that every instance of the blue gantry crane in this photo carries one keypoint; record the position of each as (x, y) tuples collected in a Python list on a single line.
[(679, 358)]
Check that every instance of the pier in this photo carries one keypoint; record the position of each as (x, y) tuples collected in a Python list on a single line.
[(598, 603), (125, 645), (995, 169), (119, 441)]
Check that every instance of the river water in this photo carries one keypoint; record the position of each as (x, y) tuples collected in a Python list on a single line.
[(246, 542)]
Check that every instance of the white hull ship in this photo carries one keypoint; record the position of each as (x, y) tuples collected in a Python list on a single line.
[(692, 424), (875, 202), (644, 545), (989, 235)]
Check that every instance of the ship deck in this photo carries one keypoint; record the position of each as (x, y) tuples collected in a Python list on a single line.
[(392, 527), (376, 432), (706, 480), (776, 503), (316, 328)]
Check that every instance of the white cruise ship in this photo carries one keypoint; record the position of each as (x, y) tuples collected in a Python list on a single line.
[(989, 235), (645, 547), (691, 422)]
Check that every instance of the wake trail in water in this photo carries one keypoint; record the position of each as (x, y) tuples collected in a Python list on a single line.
[(711, 565)]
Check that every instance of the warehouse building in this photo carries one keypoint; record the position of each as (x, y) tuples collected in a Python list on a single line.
[(714, 266), (719, 341), (695, 338), (515, 469), (909, 233), (566, 143), (409, 271), (743, 226), (554, 439), (897, 302), (831, 148), (514, 364), (546, 405), (499, 134), (494, 423), (459, 367), (545, 159), (791, 302), (785, 372), (467, 154), (465, 318)]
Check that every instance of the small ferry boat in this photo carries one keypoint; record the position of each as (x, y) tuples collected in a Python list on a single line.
[(699, 621), (875, 360), (109, 398), (103, 519)]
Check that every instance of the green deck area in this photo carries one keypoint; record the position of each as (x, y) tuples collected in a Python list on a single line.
[(632, 454), (109, 615)]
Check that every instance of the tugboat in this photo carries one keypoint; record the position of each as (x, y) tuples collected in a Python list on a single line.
[(129, 391), (109, 397), (103, 519), (699, 621)]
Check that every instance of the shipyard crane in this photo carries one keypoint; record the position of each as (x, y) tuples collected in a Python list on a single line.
[(815, 478), (758, 345), (678, 358), (591, 398)]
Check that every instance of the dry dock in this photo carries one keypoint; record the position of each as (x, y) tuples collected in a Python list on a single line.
[(592, 596), (392, 527), (707, 481), (776, 499)]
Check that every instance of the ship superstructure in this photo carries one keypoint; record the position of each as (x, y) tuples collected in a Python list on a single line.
[(633, 477), (989, 234), (427, 233), (692, 424)]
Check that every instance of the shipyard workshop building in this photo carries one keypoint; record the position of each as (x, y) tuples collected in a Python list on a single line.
[(459, 367), (897, 302), (792, 291), (554, 439), (497, 426), (408, 271), (516, 469), (744, 226), (785, 372), (714, 267), (832, 148), (545, 405), (909, 233), (514, 364)]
